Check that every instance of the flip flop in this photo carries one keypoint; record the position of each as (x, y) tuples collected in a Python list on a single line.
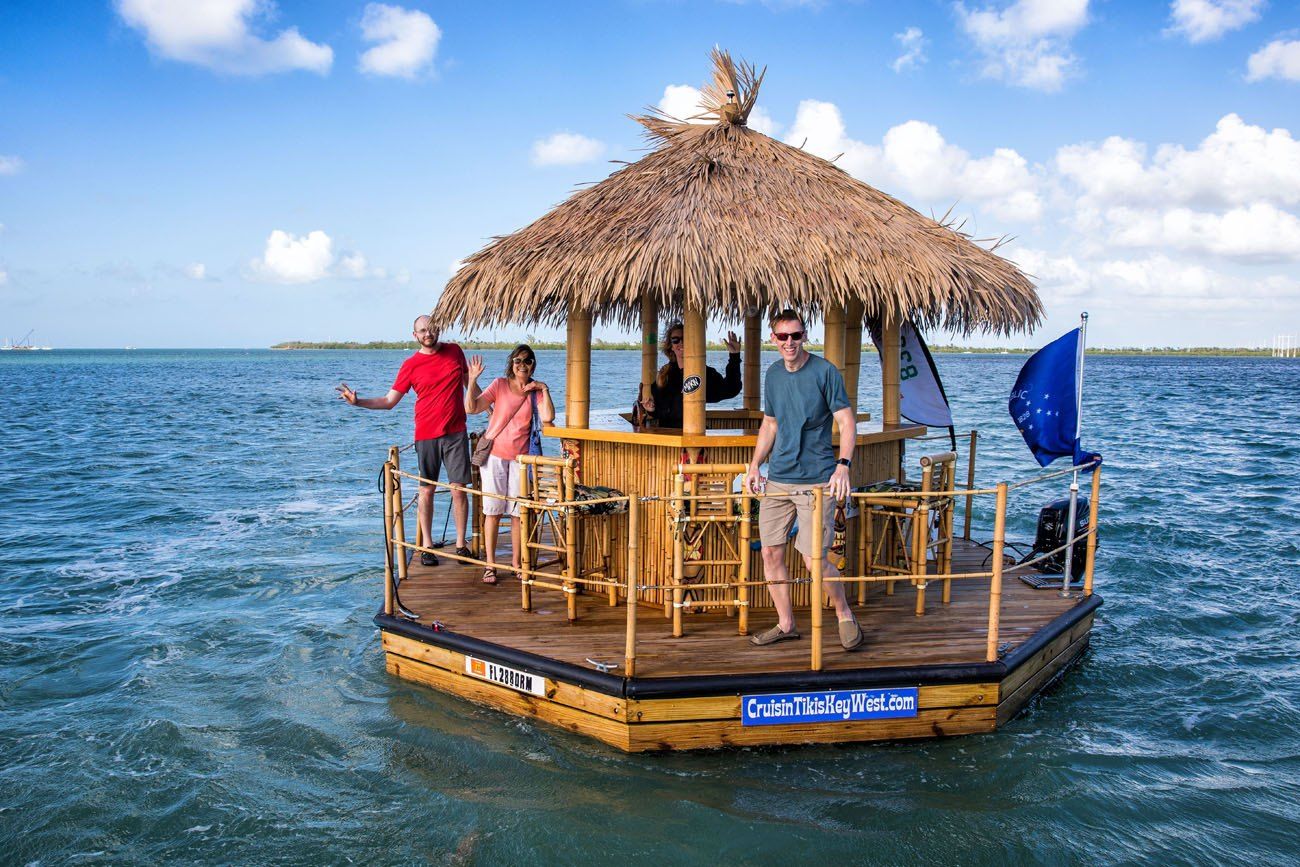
[(489, 576)]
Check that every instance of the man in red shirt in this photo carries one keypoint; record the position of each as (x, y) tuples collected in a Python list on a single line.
[(438, 372)]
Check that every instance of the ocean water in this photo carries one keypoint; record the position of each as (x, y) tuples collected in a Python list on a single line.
[(189, 672)]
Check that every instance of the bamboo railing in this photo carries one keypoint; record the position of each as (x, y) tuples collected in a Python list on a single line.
[(572, 580)]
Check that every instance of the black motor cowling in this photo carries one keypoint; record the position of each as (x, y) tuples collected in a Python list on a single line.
[(1052, 523)]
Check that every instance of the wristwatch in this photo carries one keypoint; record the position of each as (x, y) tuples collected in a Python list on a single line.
[(844, 462)]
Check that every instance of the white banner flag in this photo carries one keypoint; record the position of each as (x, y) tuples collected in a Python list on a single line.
[(921, 396)]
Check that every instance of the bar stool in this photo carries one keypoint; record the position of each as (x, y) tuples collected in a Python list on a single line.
[(552, 522), (721, 522), (900, 532)]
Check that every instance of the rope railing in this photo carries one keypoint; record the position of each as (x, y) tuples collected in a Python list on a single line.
[(914, 505)]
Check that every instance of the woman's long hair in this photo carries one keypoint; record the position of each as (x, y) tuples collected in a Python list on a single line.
[(666, 345), (521, 349)]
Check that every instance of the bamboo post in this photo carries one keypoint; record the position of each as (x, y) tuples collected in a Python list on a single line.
[(743, 541), (921, 536), (398, 513), (694, 371), (679, 541), (1092, 530), (633, 575), (649, 342), (388, 538), (889, 371), (864, 541), (819, 553), (574, 567), (970, 482), (833, 336), (995, 584), (753, 360), (852, 351), (577, 393), (833, 342), (525, 552), (943, 558)]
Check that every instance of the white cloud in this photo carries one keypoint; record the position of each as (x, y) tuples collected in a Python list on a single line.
[(289, 258), (217, 34), (914, 159), (913, 43), (408, 40), (1028, 42), (4, 276), (196, 271), (354, 266), (565, 149), (681, 101), (1279, 59), (1154, 283), (1227, 197), (763, 122), (1259, 232), (1237, 164), (1206, 20), (10, 165)]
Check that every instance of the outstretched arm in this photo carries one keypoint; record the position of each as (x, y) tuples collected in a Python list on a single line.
[(388, 401)]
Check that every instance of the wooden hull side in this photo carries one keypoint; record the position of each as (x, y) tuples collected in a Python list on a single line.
[(952, 700)]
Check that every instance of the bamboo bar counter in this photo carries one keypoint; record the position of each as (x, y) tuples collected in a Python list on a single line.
[(642, 576)]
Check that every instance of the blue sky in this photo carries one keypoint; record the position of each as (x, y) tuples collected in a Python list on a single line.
[(234, 172)]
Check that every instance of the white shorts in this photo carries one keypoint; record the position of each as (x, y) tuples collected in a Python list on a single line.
[(500, 477)]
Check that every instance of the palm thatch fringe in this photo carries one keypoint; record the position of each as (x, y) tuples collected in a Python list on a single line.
[(724, 217)]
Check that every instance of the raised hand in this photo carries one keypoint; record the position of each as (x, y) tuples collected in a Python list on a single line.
[(346, 393), (733, 342), (475, 367)]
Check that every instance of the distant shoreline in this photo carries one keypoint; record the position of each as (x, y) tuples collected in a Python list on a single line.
[(868, 348)]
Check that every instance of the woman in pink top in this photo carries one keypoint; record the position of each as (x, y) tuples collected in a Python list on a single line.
[(511, 398)]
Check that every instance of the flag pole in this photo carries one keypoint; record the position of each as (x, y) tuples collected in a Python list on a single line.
[(1074, 479)]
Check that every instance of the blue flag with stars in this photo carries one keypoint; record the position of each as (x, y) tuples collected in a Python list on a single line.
[(1044, 404)]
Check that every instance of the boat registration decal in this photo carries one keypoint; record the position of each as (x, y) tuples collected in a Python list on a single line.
[(840, 706), (501, 675)]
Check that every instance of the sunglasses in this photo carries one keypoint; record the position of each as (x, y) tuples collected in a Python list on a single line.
[(783, 336), (675, 340), (523, 362)]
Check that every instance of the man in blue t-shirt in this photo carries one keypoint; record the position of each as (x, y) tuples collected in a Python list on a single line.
[(803, 395)]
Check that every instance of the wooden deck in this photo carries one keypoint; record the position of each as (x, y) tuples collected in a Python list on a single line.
[(948, 634)]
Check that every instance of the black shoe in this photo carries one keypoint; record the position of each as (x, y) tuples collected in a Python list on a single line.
[(464, 552), (428, 560)]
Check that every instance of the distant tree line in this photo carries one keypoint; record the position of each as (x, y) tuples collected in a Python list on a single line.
[(718, 345)]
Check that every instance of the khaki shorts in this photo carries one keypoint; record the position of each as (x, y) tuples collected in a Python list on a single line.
[(776, 514)]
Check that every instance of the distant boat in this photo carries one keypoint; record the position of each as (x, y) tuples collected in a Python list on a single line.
[(24, 345)]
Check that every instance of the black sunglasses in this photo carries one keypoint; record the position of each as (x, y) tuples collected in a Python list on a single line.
[(675, 340), (783, 336)]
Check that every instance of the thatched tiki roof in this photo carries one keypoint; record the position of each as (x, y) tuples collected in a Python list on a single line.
[(726, 218)]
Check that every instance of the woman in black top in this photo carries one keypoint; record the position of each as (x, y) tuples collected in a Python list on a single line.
[(665, 403)]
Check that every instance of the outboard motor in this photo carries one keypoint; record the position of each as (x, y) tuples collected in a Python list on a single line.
[(1052, 523)]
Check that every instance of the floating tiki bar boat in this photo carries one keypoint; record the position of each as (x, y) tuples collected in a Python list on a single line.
[(641, 574)]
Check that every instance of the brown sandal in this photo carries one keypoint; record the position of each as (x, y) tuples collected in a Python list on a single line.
[(489, 576)]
